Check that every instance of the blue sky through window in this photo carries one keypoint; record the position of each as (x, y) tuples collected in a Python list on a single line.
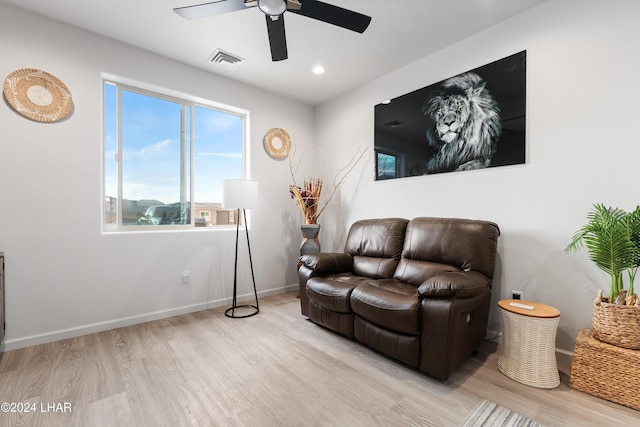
[(151, 148)]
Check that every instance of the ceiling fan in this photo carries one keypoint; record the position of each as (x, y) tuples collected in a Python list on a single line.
[(274, 14)]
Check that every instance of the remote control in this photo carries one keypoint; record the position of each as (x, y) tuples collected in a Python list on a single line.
[(517, 304)]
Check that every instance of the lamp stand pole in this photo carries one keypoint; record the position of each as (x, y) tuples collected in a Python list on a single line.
[(230, 312)]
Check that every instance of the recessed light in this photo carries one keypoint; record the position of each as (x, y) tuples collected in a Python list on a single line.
[(318, 70)]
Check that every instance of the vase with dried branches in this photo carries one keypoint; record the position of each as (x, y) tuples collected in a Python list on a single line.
[(308, 196)]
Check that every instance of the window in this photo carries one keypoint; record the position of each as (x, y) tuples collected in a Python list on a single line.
[(165, 158), (387, 165)]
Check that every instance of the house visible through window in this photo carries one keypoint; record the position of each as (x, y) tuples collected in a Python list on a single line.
[(165, 159)]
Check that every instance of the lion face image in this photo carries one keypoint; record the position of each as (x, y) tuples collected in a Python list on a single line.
[(463, 125)]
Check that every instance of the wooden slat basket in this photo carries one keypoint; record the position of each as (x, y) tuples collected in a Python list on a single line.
[(606, 371)]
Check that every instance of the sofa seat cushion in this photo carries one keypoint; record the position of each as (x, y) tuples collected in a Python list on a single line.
[(388, 303), (330, 294), (333, 292)]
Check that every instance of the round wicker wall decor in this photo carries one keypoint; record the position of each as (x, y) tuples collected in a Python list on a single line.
[(277, 143), (37, 95)]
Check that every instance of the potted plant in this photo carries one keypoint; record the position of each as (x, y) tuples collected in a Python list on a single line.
[(612, 238)]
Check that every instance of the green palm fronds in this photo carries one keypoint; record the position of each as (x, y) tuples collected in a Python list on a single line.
[(612, 238), (633, 223)]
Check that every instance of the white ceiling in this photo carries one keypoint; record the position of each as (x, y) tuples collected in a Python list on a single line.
[(401, 31)]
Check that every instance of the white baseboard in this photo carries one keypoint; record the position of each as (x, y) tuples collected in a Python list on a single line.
[(28, 341)]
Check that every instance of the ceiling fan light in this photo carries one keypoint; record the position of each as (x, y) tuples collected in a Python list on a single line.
[(272, 7)]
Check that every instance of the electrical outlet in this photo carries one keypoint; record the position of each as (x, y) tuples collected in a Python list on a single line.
[(516, 294), (185, 277)]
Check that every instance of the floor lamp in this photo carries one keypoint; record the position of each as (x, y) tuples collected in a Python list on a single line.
[(241, 194)]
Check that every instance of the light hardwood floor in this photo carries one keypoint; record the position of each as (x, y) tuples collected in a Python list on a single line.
[(273, 369)]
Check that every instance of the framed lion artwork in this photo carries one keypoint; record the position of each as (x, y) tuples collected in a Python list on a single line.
[(473, 120)]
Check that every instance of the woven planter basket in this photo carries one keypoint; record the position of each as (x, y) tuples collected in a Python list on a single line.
[(617, 325)]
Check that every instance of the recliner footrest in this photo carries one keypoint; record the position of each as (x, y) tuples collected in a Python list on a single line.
[(391, 310), (338, 322), (405, 348)]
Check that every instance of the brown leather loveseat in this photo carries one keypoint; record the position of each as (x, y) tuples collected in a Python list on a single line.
[(418, 291)]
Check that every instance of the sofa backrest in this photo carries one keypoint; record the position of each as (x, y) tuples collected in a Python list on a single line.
[(433, 245), (376, 246)]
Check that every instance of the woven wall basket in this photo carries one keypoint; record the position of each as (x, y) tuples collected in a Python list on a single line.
[(37, 95), (617, 325)]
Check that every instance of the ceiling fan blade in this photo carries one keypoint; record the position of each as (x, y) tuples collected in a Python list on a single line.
[(213, 8), (335, 15), (293, 5), (277, 38)]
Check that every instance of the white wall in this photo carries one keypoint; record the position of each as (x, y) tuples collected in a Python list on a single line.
[(582, 148), (64, 277)]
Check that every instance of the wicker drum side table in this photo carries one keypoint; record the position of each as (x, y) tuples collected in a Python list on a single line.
[(527, 350)]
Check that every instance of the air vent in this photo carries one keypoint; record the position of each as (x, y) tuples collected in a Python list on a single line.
[(225, 58), (393, 124)]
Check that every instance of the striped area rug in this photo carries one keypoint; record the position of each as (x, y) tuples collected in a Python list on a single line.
[(489, 414)]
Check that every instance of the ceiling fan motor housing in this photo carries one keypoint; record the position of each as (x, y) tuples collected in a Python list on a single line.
[(272, 7)]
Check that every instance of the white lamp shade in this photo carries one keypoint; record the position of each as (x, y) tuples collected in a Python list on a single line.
[(240, 194)]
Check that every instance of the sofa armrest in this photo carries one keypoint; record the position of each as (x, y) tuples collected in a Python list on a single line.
[(326, 262), (459, 284)]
